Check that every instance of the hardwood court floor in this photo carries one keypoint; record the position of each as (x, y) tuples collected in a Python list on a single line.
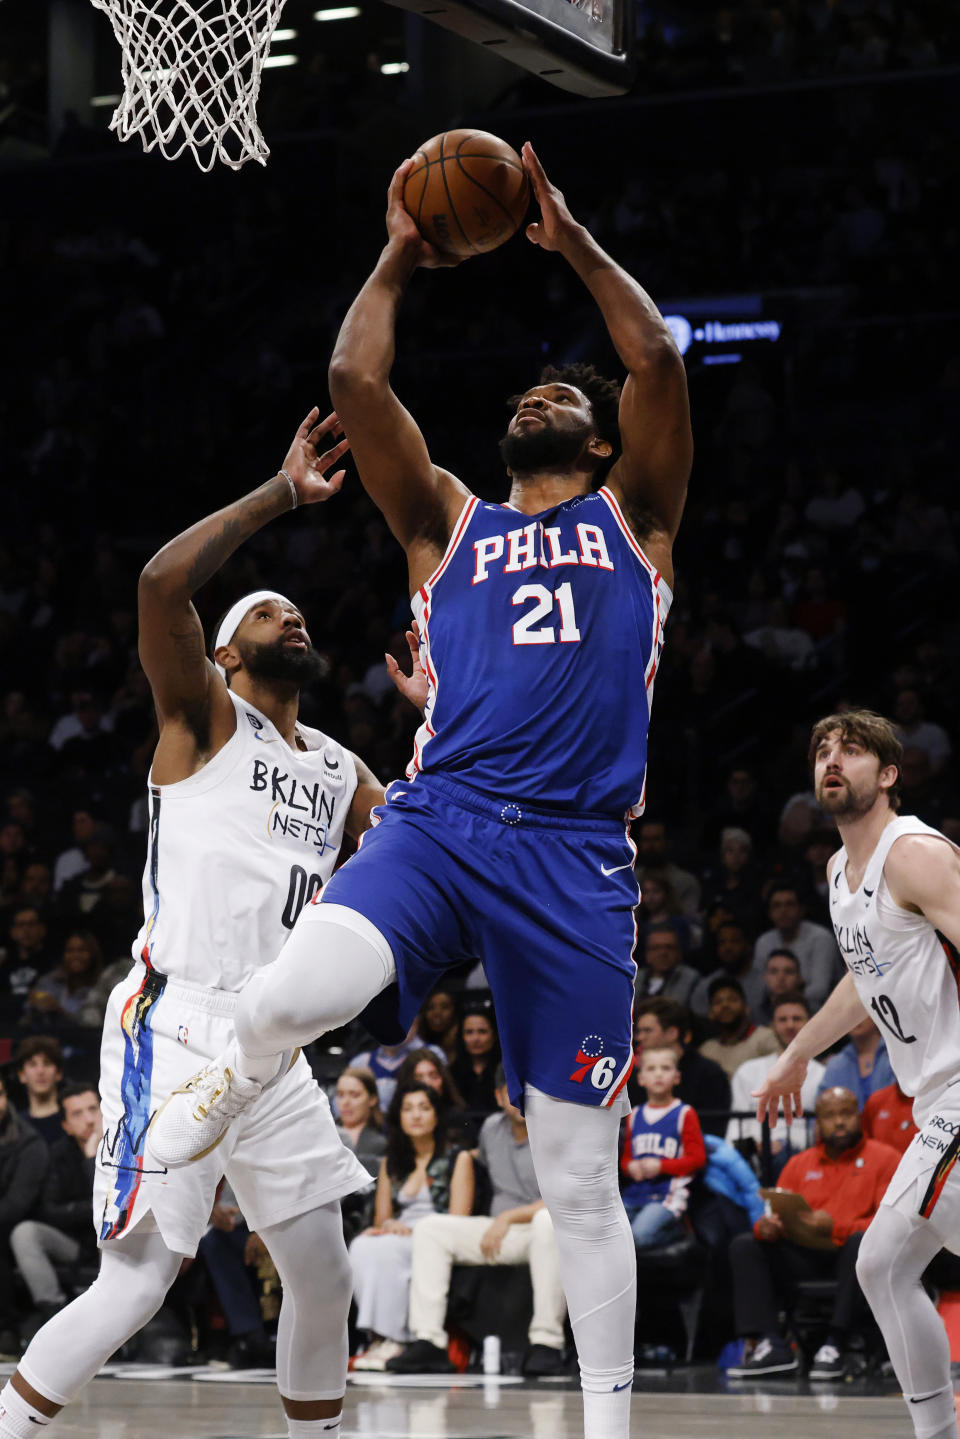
[(688, 1404)]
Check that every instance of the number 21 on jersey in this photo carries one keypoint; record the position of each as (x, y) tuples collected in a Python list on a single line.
[(528, 630)]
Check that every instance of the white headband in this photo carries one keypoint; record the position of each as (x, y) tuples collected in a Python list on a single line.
[(235, 614)]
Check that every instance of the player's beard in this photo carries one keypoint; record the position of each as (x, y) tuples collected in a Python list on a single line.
[(541, 447), (277, 661), (847, 802)]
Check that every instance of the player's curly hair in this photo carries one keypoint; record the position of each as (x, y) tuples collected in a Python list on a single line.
[(604, 397)]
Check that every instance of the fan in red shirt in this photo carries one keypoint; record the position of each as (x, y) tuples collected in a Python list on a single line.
[(843, 1179), (888, 1116)]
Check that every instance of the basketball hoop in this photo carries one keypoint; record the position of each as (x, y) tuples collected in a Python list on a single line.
[(191, 75)]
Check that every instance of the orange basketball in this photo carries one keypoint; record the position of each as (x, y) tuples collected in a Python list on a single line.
[(467, 192)]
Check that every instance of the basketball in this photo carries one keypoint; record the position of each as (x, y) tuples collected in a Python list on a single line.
[(467, 192)]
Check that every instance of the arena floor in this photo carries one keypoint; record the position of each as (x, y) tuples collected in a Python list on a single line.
[(143, 1402)]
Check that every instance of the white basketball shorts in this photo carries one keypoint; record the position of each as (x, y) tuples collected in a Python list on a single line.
[(926, 1184), (281, 1158)]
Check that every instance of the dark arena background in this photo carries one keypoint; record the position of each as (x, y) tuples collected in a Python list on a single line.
[(782, 178)]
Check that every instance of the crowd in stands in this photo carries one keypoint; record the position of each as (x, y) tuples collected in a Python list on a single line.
[(166, 371)]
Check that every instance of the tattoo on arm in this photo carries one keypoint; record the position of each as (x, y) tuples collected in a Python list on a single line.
[(189, 646), (218, 547)]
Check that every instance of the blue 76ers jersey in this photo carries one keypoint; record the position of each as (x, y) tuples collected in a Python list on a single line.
[(541, 636)]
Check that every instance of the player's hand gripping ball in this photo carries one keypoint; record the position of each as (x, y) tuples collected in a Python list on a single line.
[(466, 192)]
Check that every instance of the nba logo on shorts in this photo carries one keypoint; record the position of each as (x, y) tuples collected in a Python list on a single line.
[(183, 1034)]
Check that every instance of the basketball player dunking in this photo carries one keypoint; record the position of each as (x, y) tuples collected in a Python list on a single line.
[(247, 811), (541, 624), (895, 906)]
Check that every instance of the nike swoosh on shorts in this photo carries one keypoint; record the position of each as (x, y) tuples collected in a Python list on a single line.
[(606, 872)]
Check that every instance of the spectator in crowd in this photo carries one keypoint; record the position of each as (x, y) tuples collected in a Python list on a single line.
[(734, 954), (915, 731), (813, 944), (743, 807), (703, 1084), (424, 1067), (516, 1231), (95, 1008), (25, 958), (781, 975), (61, 996), (921, 793), (821, 844), (663, 972), (862, 1065), (790, 1014), (478, 1054), (360, 1120), (729, 1200), (84, 720), (662, 1150), (732, 889), (23, 1164), (843, 1179), (40, 1071), (231, 1253), (439, 1023), (658, 905), (736, 1038), (72, 861), (83, 895), (419, 1175), (37, 889), (888, 1117), (63, 1232), (653, 852), (385, 1063)]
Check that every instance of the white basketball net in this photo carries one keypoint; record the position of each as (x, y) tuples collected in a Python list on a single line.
[(191, 75)]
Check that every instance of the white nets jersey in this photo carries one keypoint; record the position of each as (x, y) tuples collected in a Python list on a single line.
[(907, 974), (236, 850)]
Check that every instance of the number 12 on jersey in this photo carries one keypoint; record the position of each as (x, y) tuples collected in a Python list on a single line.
[(529, 631)]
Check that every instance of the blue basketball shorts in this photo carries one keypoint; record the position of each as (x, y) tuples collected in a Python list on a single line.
[(544, 898)]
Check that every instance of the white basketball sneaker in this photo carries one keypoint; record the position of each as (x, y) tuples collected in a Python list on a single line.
[(197, 1115)]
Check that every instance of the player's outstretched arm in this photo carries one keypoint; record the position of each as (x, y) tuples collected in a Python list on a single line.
[(419, 501), (842, 1010), (653, 472), (172, 650)]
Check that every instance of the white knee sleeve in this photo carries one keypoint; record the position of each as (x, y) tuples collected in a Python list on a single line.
[(330, 968), (895, 1251), (311, 1259), (574, 1148), (135, 1274)]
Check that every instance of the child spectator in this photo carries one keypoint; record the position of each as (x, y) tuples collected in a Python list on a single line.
[(662, 1150)]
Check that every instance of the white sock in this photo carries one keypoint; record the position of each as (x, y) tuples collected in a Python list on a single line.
[(18, 1418), (314, 1428), (261, 1067), (606, 1415)]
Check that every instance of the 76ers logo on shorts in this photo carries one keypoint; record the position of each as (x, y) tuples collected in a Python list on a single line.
[(590, 1060)]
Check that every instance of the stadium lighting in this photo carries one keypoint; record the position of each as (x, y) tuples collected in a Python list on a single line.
[(284, 35), (100, 102), (275, 62), (394, 67), (338, 12)]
